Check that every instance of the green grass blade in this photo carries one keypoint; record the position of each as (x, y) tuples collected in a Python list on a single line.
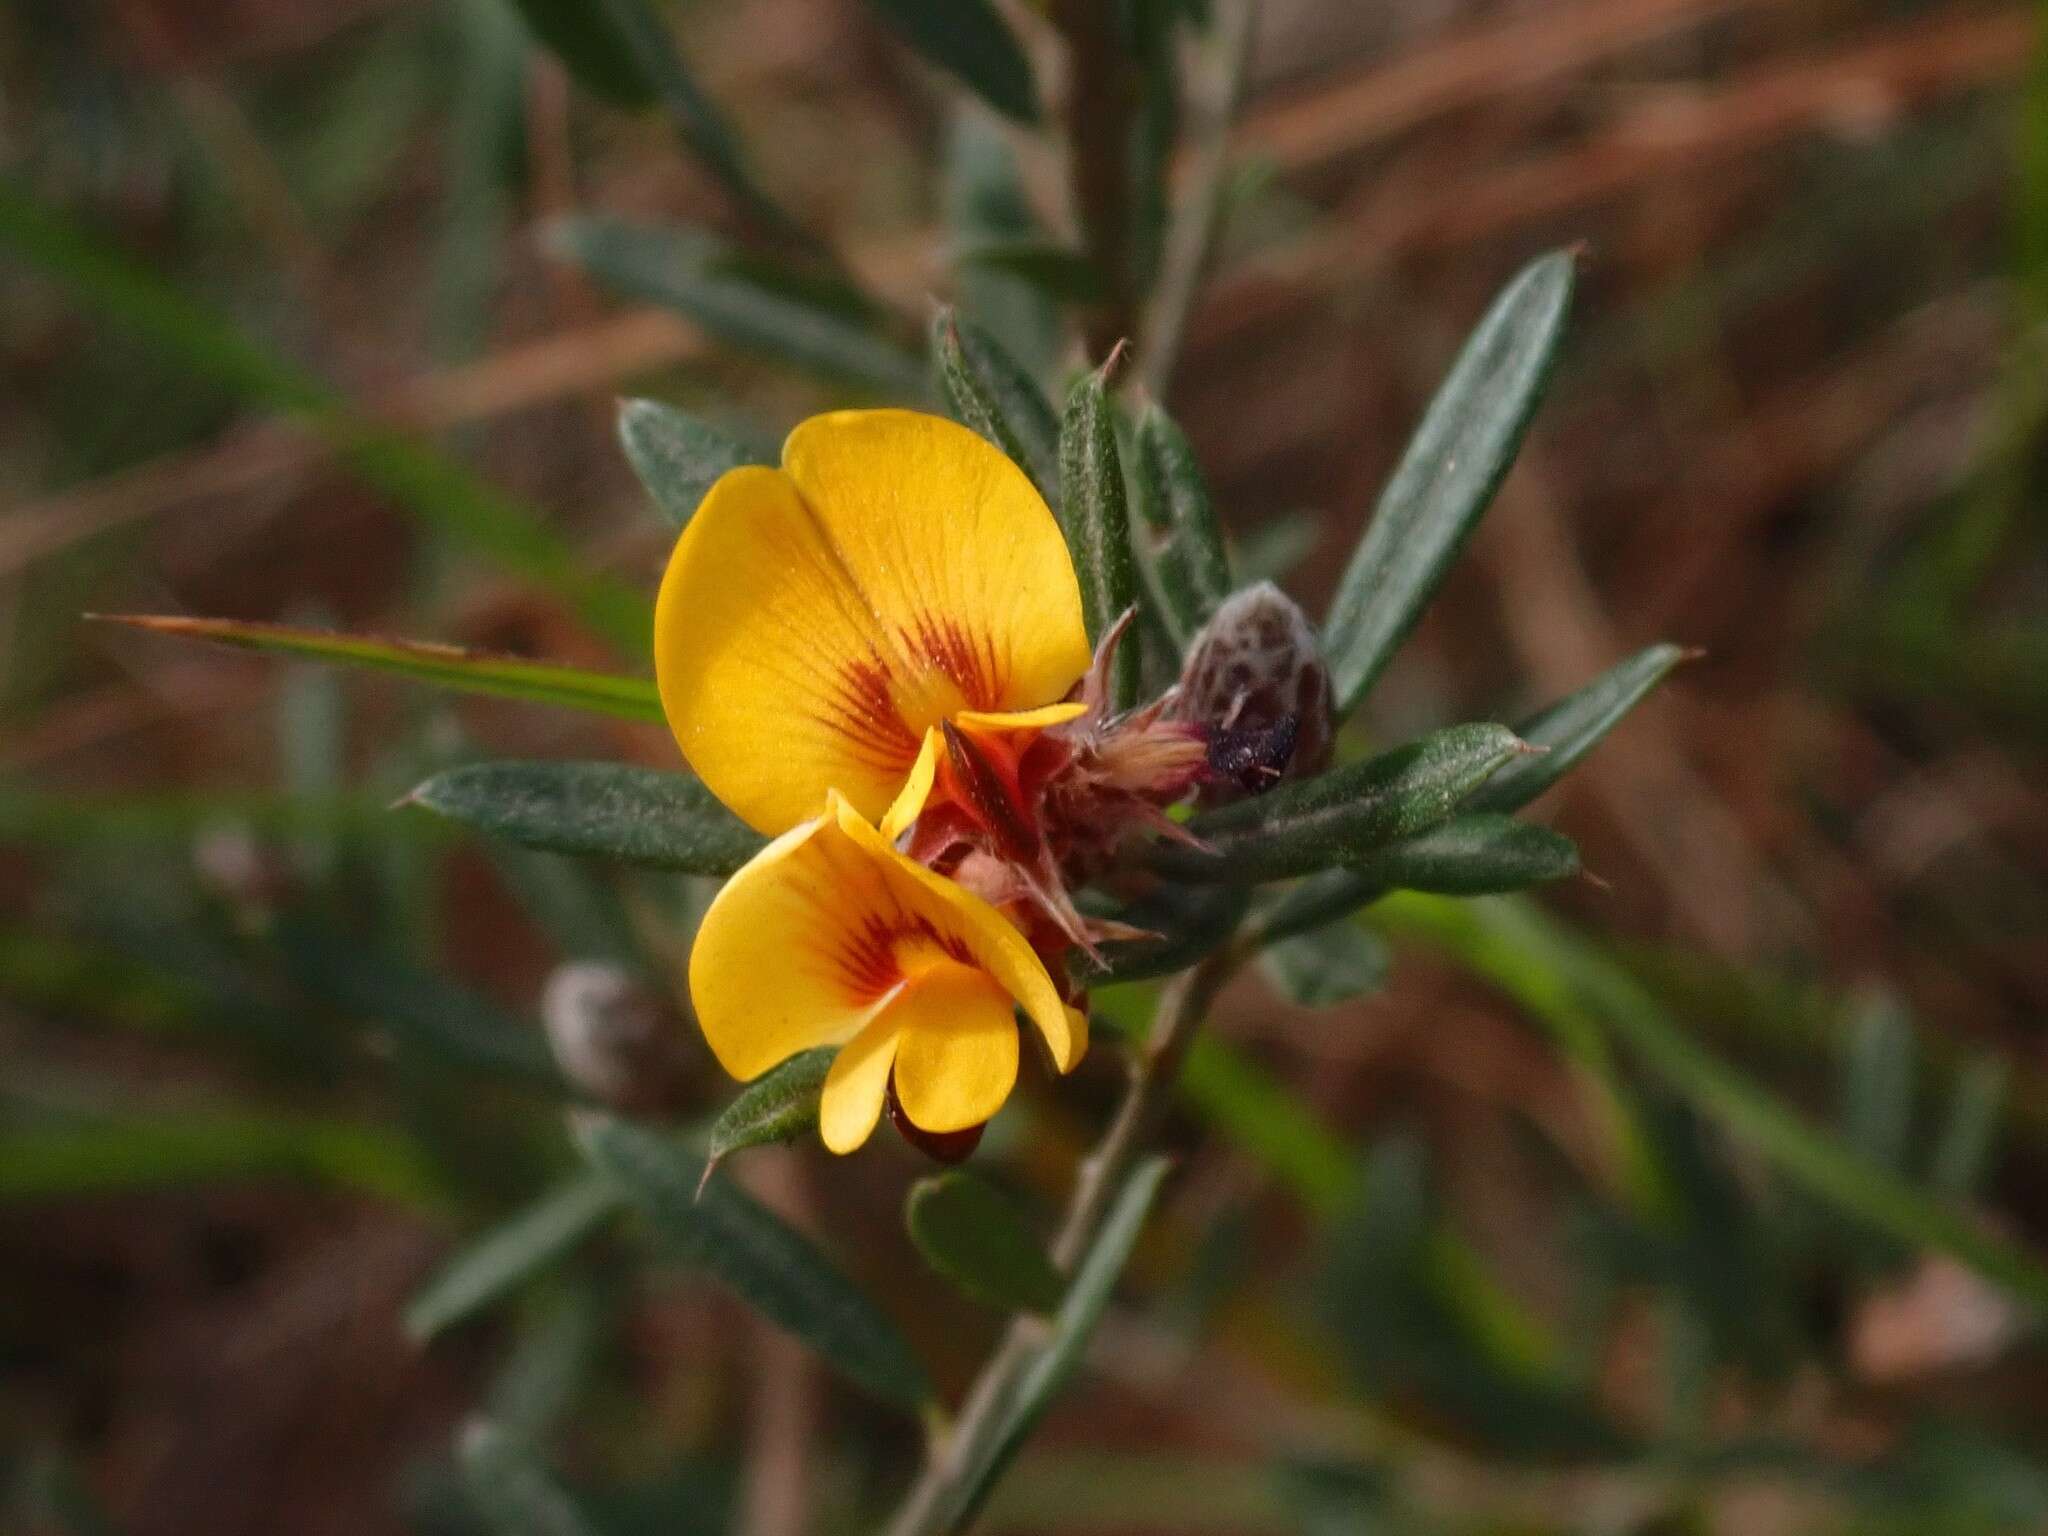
[(1573, 726), (437, 491), (424, 661), (1571, 985)]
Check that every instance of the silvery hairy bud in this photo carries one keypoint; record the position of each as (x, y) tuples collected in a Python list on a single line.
[(613, 1036), (1256, 682)]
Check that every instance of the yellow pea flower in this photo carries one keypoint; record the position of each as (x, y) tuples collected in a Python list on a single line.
[(829, 936), (820, 622)]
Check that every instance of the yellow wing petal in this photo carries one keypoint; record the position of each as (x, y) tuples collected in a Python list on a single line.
[(778, 966), (957, 1058), (816, 620), (856, 1085), (917, 787), (979, 935)]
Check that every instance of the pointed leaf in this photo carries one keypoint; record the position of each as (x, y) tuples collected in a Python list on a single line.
[(970, 41), (991, 392), (985, 199), (748, 303), (1272, 550), (1189, 564), (677, 456), (975, 1237), (1469, 855), (766, 1262), (510, 1255), (777, 1107), (1573, 726), (596, 810), (1326, 966), (516, 1492), (424, 661), (1087, 1296), (1342, 816), (1097, 523), (1455, 462)]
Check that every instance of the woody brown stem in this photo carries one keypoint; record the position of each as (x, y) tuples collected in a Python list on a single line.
[(940, 1500), (1101, 106)]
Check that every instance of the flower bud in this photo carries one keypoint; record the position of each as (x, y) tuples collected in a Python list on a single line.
[(1256, 682), (614, 1037)]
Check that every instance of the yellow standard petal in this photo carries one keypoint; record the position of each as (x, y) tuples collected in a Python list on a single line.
[(818, 619)]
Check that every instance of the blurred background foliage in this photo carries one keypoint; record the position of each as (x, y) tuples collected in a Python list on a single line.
[(1699, 1198)]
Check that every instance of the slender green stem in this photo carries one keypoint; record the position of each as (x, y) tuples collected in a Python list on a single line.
[(1154, 1071)]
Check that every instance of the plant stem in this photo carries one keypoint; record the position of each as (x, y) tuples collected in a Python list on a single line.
[(939, 1499), (1102, 98)]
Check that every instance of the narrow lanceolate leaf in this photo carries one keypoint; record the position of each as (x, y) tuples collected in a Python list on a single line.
[(975, 1237), (1190, 567), (1573, 726), (1342, 816), (424, 661), (514, 1490), (1086, 1298), (744, 301), (1188, 922), (970, 41), (1480, 854), (777, 1107), (596, 810), (1097, 523), (767, 1263), (677, 456), (1455, 462), (993, 393), (1327, 965), (511, 1255)]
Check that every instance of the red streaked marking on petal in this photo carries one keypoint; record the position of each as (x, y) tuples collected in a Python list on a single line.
[(869, 958), (968, 660), (863, 711)]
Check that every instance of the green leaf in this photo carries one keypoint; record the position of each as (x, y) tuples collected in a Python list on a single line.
[(1342, 816), (777, 1107), (1326, 966), (1469, 855), (1453, 465), (166, 1151), (1190, 566), (1571, 985), (767, 1263), (591, 47), (994, 394), (676, 455), (1573, 726), (1963, 1154), (437, 491), (1097, 523), (515, 1491), (975, 1237), (1272, 550), (424, 661), (985, 199), (969, 40), (1058, 271), (596, 810), (750, 304), (510, 1256), (1878, 1070), (1087, 1296), (1189, 921)]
